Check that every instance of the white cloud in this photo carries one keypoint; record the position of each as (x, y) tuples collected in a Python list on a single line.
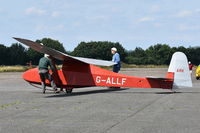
[(58, 27), (183, 14), (55, 14), (155, 8), (35, 11), (146, 19)]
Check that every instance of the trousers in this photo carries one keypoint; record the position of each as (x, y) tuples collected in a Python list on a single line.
[(44, 76), (116, 69)]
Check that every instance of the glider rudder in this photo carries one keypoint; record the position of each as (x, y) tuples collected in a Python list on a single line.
[(179, 70)]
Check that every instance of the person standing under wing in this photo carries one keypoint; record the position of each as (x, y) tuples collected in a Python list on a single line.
[(44, 63), (116, 59)]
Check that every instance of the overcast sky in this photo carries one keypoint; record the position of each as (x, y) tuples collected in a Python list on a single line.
[(133, 23)]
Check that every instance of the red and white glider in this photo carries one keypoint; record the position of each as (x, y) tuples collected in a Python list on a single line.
[(80, 72)]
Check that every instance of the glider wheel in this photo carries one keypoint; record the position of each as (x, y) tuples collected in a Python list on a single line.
[(68, 91)]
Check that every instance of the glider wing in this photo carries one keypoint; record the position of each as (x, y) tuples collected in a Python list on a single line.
[(62, 56)]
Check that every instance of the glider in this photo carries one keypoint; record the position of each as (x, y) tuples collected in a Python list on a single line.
[(78, 72)]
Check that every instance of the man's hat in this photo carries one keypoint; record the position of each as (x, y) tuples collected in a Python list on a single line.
[(46, 55), (114, 49)]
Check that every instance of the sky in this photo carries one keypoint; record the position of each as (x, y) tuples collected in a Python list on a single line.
[(133, 23)]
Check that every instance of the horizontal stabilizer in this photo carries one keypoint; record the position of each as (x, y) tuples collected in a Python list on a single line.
[(159, 78), (62, 56)]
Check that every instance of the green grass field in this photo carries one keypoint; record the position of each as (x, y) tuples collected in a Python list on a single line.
[(13, 68), (143, 66), (24, 68), (138, 66)]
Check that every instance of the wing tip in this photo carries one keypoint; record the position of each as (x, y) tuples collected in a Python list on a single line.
[(16, 38)]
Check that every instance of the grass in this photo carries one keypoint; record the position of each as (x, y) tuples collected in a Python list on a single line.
[(24, 68), (13, 68), (143, 66), (137, 66), (4, 106)]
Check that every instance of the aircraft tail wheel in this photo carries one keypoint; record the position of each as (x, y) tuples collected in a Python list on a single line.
[(68, 91), (197, 78)]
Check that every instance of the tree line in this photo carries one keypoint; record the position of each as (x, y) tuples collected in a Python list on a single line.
[(17, 54), (158, 54)]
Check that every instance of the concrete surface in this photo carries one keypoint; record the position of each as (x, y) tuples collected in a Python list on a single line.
[(24, 109)]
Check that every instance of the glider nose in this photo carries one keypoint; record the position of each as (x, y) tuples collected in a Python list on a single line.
[(31, 76)]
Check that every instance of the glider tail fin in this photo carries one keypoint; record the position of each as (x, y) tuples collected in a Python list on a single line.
[(179, 71)]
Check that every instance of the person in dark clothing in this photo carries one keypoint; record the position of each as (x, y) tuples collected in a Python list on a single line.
[(44, 63)]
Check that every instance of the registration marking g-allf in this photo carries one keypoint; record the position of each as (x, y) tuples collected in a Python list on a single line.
[(111, 80)]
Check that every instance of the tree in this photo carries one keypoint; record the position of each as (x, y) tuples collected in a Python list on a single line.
[(34, 56), (17, 54), (158, 54), (193, 55), (54, 44), (3, 55), (137, 56), (98, 50)]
